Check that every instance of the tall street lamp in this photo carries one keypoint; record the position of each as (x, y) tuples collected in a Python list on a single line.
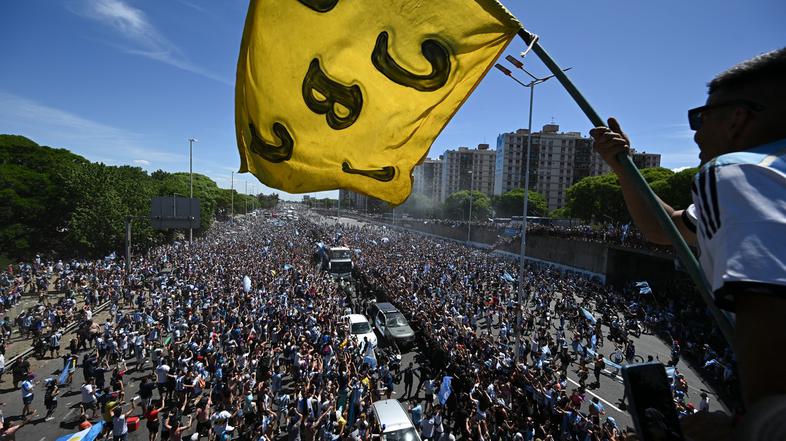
[(191, 142), (523, 297), (469, 220)]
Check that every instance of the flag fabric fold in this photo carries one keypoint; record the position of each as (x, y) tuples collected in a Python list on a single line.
[(351, 94)]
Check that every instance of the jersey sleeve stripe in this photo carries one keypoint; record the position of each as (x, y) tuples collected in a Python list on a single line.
[(714, 196), (705, 230), (705, 205)]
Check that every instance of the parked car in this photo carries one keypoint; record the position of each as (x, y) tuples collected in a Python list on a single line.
[(391, 324), (360, 328), (393, 418)]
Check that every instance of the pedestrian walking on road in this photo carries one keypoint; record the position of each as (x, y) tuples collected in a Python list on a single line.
[(408, 380), (598, 369), (27, 394), (50, 398)]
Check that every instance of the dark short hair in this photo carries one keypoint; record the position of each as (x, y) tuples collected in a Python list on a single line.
[(767, 67)]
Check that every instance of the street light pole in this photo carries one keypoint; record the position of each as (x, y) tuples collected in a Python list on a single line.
[(191, 142), (523, 298), (469, 221)]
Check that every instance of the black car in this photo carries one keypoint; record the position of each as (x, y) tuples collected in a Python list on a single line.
[(391, 324)]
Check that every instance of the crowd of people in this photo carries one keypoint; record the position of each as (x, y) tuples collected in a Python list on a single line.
[(210, 355)]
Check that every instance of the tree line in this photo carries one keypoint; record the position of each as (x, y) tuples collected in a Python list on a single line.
[(54, 202)]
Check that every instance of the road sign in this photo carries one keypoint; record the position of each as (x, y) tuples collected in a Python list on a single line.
[(170, 212)]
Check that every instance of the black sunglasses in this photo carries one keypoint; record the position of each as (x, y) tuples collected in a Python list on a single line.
[(696, 116)]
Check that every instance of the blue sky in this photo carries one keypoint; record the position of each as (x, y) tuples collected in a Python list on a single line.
[(129, 81)]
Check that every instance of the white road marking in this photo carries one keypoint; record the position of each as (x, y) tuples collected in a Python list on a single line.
[(600, 398), (68, 414), (42, 439)]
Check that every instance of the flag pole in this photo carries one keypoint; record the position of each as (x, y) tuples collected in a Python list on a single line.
[(632, 174)]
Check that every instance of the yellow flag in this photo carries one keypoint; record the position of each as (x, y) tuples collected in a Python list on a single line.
[(352, 93)]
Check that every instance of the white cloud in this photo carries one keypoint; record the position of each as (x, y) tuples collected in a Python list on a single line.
[(57, 127), (145, 40), (679, 169), (141, 162), (192, 5)]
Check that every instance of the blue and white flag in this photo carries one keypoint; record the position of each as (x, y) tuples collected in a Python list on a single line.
[(445, 390), (625, 230), (644, 288), (246, 284), (89, 434), (70, 364), (508, 278), (588, 315)]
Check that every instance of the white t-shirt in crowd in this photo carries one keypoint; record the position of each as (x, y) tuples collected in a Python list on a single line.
[(87, 393), (161, 373), (119, 426)]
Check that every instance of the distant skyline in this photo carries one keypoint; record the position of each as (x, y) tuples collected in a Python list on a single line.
[(129, 81)]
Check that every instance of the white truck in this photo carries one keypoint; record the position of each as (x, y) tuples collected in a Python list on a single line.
[(336, 260)]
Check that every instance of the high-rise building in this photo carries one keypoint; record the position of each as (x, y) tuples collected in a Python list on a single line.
[(557, 160), (644, 159), (468, 169), (350, 199), (427, 179)]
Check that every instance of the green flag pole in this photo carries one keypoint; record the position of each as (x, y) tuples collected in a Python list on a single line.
[(632, 174)]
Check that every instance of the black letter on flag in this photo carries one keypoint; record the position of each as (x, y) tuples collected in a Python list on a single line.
[(385, 174), (350, 97), (320, 5), (272, 153), (436, 54)]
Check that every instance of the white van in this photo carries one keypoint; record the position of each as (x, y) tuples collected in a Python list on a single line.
[(394, 421)]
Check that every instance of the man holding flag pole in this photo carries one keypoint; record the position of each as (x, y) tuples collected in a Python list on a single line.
[(738, 220)]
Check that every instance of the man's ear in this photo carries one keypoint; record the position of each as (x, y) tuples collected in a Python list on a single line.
[(737, 123)]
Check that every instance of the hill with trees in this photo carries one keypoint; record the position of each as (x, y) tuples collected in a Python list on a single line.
[(55, 202)]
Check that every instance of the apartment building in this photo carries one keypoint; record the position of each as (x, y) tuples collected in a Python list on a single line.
[(468, 169), (557, 160)]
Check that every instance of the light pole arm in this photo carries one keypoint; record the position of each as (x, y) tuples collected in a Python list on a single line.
[(632, 173)]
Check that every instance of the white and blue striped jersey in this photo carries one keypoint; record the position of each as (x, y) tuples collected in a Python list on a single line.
[(739, 215)]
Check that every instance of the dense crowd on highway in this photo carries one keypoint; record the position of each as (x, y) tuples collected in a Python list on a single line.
[(271, 358)]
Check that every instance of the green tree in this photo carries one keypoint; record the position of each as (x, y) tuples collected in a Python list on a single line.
[(54, 201), (33, 207), (678, 192), (512, 204), (600, 198), (457, 205), (597, 198)]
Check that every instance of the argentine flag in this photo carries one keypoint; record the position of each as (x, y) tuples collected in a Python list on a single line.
[(89, 434), (445, 390)]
